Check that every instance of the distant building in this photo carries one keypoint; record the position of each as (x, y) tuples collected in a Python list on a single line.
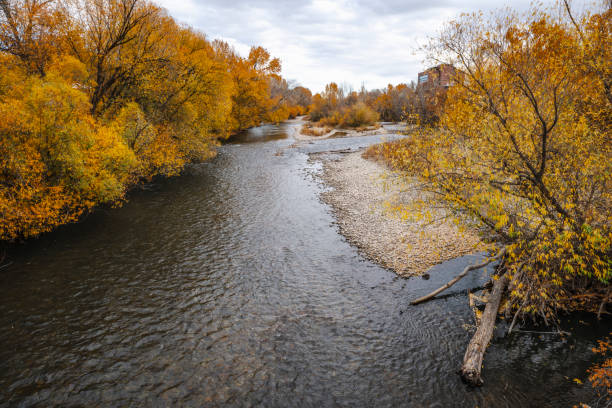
[(437, 77), (431, 90)]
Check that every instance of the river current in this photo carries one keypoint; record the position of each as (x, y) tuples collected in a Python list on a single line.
[(231, 286)]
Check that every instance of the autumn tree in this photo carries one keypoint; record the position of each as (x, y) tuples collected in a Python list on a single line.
[(301, 96), (182, 101), (114, 38), (58, 162), (30, 30), (339, 106), (288, 101), (96, 95), (251, 99), (396, 102), (523, 149)]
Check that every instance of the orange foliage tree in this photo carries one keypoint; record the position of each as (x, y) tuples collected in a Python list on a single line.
[(395, 103), (337, 107)]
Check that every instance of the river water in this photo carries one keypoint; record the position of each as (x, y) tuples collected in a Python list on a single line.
[(231, 286)]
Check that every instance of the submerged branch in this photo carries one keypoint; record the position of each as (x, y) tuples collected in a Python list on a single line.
[(458, 278)]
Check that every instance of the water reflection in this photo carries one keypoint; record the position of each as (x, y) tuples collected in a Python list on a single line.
[(263, 133)]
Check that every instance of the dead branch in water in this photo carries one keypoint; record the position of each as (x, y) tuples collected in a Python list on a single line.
[(458, 278)]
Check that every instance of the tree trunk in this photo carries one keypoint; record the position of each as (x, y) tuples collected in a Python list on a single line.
[(472, 361)]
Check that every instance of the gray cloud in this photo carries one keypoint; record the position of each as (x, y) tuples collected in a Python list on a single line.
[(318, 41)]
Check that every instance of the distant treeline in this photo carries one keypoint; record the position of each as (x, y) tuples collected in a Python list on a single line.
[(98, 95), (344, 107)]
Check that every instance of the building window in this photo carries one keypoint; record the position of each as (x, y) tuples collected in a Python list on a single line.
[(423, 78)]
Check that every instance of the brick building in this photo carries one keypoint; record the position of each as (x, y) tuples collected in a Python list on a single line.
[(439, 77), (431, 91)]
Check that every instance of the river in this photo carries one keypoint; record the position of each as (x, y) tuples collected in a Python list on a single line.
[(231, 286)]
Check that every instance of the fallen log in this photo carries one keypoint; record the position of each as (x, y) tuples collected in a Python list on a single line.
[(458, 278), (472, 361)]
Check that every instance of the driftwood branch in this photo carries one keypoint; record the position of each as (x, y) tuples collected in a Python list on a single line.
[(514, 320), (516, 274), (472, 361), (458, 278), (603, 305)]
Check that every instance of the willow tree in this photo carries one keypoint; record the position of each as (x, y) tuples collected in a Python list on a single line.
[(524, 149), (31, 31), (114, 38)]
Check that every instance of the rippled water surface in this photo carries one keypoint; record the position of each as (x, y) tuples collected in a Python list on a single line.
[(230, 286)]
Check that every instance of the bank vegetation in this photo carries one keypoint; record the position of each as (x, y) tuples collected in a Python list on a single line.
[(98, 95)]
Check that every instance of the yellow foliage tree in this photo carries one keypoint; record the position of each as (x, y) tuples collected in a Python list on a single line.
[(523, 147), (59, 161)]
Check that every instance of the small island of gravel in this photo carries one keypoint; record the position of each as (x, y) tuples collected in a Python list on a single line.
[(362, 193)]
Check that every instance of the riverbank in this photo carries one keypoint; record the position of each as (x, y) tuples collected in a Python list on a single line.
[(363, 194)]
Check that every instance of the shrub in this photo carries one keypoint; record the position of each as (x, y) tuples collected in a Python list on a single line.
[(359, 115)]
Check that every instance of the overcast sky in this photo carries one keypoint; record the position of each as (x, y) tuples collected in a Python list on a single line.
[(374, 42)]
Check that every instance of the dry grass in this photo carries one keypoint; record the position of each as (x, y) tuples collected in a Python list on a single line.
[(310, 129), (320, 128), (368, 128)]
